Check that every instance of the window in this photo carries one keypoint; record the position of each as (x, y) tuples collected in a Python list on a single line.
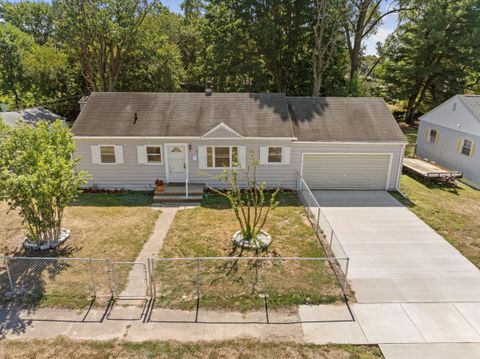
[(218, 157), (466, 147), (107, 154), (432, 136), (154, 154), (274, 154)]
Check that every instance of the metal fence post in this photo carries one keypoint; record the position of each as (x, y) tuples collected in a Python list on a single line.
[(331, 239), (9, 275), (318, 220), (152, 278), (346, 275), (110, 277), (198, 288), (94, 287)]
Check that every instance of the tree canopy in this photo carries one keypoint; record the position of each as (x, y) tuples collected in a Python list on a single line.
[(51, 53)]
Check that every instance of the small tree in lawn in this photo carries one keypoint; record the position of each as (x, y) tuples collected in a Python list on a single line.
[(251, 204), (38, 175)]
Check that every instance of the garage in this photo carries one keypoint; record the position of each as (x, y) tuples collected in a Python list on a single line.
[(356, 171)]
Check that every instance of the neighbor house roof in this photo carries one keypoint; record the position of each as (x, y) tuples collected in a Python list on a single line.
[(128, 114), (183, 114), (473, 103), (29, 115), (361, 119)]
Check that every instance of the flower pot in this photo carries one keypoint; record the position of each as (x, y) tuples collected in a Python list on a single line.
[(159, 188)]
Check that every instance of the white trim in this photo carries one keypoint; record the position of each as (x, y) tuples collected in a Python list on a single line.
[(146, 156), (225, 127), (400, 166), (167, 168), (100, 155), (352, 143), (179, 138), (390, 160)]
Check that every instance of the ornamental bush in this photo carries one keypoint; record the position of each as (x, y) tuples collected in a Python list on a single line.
[(38, 175)]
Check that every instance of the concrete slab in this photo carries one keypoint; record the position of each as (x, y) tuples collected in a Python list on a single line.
[(386, 323), (431, 351), (335, 325), (394, 256), (471, 312), (440, 322)]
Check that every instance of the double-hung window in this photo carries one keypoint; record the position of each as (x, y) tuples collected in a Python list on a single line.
[(432, 136), (153, 154), (222, 156), (107, 154), (466, 148), (274, 155)]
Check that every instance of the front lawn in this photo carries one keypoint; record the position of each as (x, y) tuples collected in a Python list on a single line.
[(63, 347), (113, 226), (206, 231)]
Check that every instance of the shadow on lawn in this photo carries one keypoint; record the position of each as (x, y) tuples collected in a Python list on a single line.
[(123, 199), (213, 200)]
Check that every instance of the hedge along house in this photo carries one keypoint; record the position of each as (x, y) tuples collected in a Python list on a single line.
[(449, 135), (127, 140)]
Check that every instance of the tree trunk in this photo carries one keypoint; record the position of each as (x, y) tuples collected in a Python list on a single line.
[(412, 100)]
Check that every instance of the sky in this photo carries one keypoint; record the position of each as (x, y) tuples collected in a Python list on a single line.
[(389, 24)]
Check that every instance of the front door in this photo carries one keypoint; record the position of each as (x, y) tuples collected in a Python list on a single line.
[(177, 164)]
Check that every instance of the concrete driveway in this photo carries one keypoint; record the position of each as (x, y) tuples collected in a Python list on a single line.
[(395, 256)]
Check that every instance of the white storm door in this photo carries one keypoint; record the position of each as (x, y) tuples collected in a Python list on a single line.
[(177, 164)]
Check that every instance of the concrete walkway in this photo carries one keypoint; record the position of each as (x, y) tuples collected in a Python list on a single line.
[(136, 285), (411, 285)]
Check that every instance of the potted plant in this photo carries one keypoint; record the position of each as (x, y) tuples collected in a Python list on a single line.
[(159, 185)]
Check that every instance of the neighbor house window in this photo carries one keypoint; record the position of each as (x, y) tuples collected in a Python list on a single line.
[(466, 148), (154, 154), (107, 154), (432, 136), (218, 157), (274, 154)]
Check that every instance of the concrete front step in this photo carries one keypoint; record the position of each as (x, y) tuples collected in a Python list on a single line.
[(176, 198)]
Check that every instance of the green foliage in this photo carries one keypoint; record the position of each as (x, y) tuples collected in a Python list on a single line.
[(432, 54), (38, 175), (252, 204)]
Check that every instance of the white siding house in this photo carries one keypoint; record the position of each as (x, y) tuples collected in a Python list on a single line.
[(450, 135), (127, 140)]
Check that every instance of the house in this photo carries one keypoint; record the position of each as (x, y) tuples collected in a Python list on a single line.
[(448, 135), (29, 115), (127, 140)]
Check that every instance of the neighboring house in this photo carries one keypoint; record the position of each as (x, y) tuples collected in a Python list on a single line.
[(127, 140), (449, 134), (29, 115)]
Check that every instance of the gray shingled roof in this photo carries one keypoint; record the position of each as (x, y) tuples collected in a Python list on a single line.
[(473, 103), (353, 119), (29, 115), (249, 114), (183, 114)]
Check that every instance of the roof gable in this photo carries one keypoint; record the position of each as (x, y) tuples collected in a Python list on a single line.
[(222, 131), (454, 114)]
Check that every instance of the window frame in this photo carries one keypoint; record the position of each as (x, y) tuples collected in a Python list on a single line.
[(281, 155), (430, 136), (147, 162), (100, 155), (230, 156), (462, 145)]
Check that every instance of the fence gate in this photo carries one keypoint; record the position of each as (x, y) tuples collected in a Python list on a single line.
[(130, 280)]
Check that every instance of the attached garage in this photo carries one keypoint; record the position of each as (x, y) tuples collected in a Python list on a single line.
[(356, 171)]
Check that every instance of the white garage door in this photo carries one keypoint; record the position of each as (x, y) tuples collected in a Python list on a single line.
[(346, 171)]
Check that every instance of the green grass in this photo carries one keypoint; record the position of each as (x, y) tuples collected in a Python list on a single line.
[(113, 226), (410, 133), (63, 347), (452, 212), (207, 231)]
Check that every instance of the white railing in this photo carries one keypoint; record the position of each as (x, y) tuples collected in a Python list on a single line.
[(186, 188)]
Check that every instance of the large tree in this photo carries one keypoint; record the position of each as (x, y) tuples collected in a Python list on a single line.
[(103, 33), (433, 53)]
